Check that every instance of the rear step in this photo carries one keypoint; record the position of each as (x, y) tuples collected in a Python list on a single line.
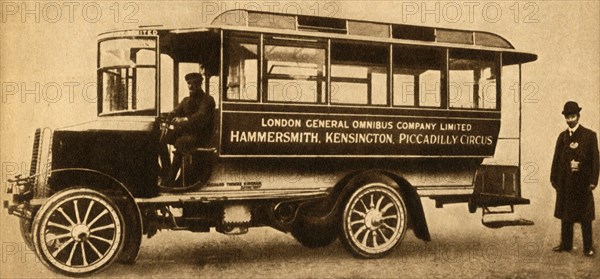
[(496, 186), (496, 222)]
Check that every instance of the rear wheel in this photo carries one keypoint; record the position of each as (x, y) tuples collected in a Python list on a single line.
[(374, 221), (78, 232)]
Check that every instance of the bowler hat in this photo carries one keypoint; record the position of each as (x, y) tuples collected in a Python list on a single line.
[(571, 108), (193, 76)]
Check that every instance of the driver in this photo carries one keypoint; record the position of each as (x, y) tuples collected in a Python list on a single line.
[(193, 126)]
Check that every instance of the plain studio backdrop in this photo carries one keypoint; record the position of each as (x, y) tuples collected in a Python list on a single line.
[(48, 68)]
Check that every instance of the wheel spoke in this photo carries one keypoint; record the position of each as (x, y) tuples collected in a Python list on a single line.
[(59, 226), (76, 212), (101, 239), (95, 249), (389, 217), (62, 211), (362, 214), (71, 254), (389, 227), (386, 208), (364, 205), (375, 244), (359, 231), (385, 238), (361, 221), (372, 204), (83, 256), (63, 246), (98, 217), (109, 226), (87, 213), (365, 237), (379, 201)]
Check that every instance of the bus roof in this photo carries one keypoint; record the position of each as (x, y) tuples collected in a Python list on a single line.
[(369, 30), (338, 28)]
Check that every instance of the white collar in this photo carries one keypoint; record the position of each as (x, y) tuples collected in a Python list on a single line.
[(572, 130)]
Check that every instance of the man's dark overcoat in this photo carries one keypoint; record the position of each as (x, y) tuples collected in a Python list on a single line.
[(574, 199)]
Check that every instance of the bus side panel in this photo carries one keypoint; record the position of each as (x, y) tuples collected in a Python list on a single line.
[(433, 175)]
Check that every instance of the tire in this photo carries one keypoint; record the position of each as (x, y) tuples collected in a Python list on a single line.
[(25, 226), (133, 235), (374, 221), (78, 232), (313, 235)]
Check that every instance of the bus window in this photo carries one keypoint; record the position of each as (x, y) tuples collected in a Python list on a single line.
[(417, 76), (404, 88), (242, 71), (472, 80), (128, 70), (294, 74), (359, 74)]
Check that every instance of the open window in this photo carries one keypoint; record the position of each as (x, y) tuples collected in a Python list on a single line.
[(293, 72), (473, 78), (183, 53), (418, 76), (241, 68), (127, 73), (359, 74)]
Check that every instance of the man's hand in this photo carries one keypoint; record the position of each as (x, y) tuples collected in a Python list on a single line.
[(178, 121), (593, 186)]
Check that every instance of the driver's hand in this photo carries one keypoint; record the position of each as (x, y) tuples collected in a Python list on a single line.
[(180, 120)]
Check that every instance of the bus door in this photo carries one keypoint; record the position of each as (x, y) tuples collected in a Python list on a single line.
[(184, 52), (497, 182)]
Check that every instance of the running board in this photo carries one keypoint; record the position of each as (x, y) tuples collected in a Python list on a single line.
[(232, 195)]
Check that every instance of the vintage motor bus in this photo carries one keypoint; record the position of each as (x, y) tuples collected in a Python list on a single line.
[(325, 128)]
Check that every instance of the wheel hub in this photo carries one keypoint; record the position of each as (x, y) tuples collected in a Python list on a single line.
[(80, 233), (373, 220)]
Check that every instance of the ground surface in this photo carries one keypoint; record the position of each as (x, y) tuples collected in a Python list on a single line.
[(461, 248)]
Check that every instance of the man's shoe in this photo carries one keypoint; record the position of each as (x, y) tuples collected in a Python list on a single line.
[(559, 249), (589, 253)]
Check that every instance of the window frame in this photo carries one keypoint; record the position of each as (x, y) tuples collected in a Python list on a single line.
[(262, 40), (496, 58), (387, 65), (293, 41), (100, 94), (241, 38)]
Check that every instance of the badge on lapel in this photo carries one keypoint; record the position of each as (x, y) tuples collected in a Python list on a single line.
[(574, 145)]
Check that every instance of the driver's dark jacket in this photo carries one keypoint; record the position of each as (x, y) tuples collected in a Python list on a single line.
[(200, 113)]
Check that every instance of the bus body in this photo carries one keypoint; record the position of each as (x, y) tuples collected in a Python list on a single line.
[(326, 128)]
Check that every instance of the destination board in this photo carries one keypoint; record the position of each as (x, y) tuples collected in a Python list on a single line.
[(266, 134)]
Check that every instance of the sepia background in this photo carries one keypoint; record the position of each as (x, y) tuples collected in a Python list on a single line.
[(47, 78)]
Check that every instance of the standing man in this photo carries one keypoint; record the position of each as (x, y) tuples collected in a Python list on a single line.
[(193, 123), (574, 175)]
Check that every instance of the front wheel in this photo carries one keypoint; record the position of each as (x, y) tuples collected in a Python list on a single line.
[(25, 226), (374, 221), (78, 232)]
